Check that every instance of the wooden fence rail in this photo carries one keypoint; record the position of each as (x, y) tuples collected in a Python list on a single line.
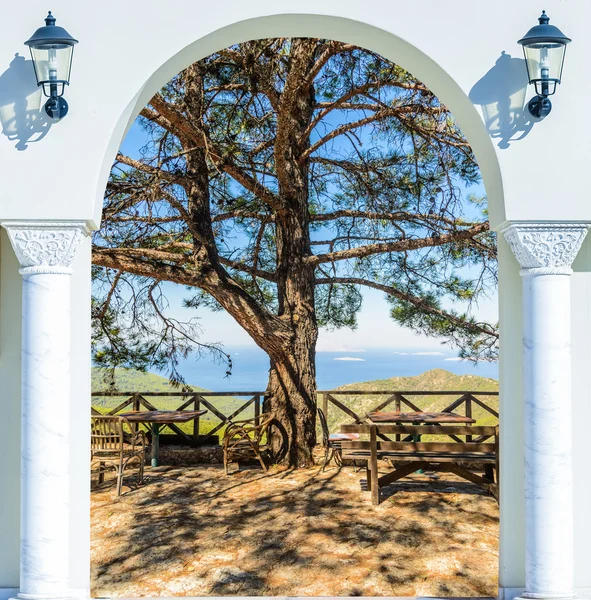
[(395, 400), (190, 401), (399, 402)]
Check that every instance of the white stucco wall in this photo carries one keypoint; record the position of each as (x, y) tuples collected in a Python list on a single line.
[(459, 48), (453, 47), (80, 414), (10, 386), (581, 382), (512, 527)]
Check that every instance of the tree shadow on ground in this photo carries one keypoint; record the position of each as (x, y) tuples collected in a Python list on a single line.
[(194, 531)]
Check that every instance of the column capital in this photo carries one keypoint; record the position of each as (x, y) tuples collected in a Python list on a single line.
[(45, 246), (545, 248)]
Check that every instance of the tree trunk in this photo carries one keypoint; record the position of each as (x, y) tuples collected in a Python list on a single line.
[(292, 377), (290, 339), (292, 402)]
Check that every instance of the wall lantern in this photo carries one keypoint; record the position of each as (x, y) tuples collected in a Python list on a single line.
[(51, 50), (544, 47)]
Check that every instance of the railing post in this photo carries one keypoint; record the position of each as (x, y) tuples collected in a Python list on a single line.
[(196, 406), (398, 408), (257, 409), (265, 405), (469, 413), (135, 407), (325, 406)]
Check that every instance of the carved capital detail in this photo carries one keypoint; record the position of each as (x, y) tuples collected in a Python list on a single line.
[(45, 247), (550, 248)]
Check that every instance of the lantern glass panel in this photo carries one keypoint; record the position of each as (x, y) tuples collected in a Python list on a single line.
[(544, 65), (52, 64)]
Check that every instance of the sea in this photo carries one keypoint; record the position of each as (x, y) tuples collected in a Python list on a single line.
[(250, 367)]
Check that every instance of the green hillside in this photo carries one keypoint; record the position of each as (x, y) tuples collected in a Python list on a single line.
[(434, 380), (127, 380)]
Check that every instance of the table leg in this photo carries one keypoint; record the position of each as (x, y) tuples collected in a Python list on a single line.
[(155, 443), (417, 438)]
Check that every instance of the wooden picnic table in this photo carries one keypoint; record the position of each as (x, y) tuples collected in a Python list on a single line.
[(418, 417), (158, 419)]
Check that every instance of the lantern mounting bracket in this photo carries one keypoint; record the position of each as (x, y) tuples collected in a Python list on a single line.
[(539, 107), (56, 107)]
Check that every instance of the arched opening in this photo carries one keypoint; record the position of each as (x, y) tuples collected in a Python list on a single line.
[(391, 47), (467, 120)]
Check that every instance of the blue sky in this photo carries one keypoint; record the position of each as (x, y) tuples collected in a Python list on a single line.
[(375, 329)]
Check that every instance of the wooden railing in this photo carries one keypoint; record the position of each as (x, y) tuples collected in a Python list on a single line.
[(400, 402), (190, 401), (463, 403)]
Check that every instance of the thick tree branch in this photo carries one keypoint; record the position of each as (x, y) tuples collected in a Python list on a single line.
[(340, 130), (145, 219), (129, 262), (400, 112), (267, 329), (105, 306), (152, 254), (188, 247), (244, 268), (241, 214), (157, 173), (384, 109), (396, 216), (332, 49), (399, 246)]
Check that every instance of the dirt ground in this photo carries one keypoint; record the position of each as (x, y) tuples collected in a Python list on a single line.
[(192, 531)]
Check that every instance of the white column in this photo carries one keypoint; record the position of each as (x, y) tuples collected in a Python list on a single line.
[(545, 252), (45, 252)]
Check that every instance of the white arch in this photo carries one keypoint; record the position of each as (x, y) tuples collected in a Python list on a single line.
[(385, 43), (392, 47)]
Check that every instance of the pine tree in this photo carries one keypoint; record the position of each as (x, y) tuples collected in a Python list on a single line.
[(280, 178)]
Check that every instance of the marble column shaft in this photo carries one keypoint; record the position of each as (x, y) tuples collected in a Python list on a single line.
[(45, 252), (545, 253)]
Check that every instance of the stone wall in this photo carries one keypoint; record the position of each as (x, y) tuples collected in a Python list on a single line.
[(186, 456)]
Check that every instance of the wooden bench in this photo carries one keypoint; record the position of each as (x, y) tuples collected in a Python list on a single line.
[(433, 456)]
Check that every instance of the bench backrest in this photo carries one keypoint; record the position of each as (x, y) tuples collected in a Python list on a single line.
[(475, 441), (106, 433)]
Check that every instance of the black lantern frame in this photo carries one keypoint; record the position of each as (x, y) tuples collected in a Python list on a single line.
[(52, 50), (548, 42)]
